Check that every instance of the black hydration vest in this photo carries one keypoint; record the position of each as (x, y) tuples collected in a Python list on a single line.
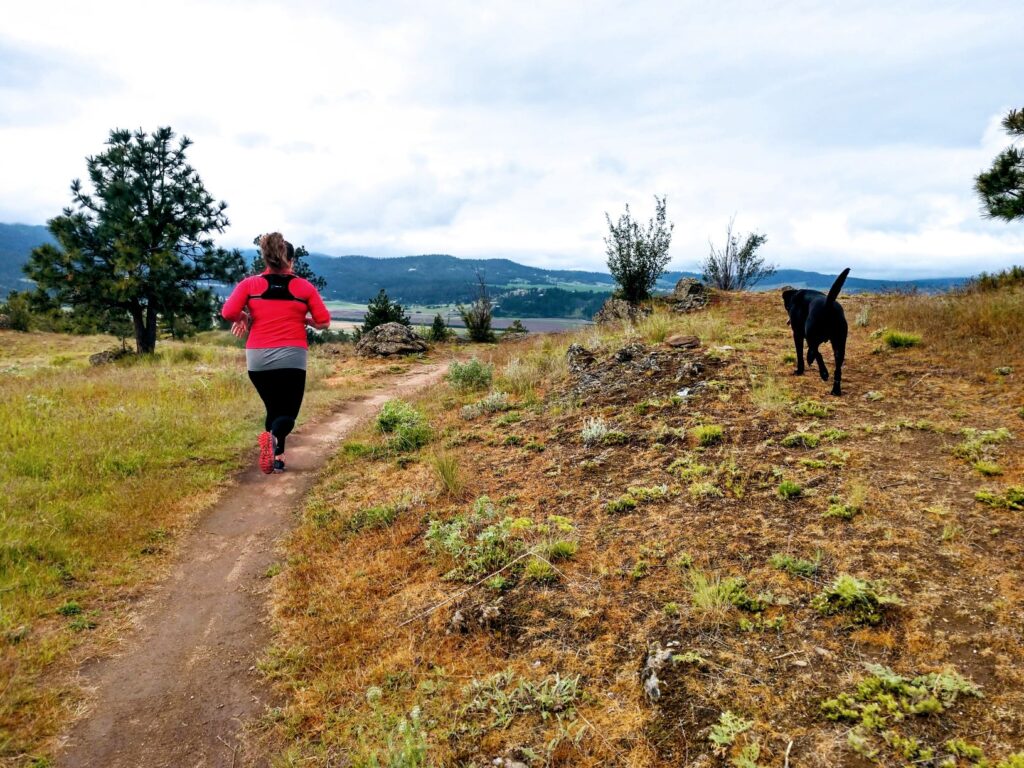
[(277, 289)]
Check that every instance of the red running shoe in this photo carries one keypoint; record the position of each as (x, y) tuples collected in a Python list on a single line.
[(267, 445)]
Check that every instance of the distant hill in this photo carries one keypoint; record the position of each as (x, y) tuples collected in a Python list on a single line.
[(437, 279), (16, 243)]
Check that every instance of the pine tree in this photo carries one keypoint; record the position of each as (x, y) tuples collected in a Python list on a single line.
[(1001, 188), (382, 310), (439, 331), (141, 243)]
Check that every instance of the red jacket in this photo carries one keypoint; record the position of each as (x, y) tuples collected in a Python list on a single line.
[(278, 304)]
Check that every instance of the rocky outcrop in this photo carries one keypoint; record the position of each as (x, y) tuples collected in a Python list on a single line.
[(632, 369), (618, 311), (109, 356), (689, 295), (390, 339), (5, 323)]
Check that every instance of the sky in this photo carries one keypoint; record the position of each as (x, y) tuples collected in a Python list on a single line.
[(848, 132)]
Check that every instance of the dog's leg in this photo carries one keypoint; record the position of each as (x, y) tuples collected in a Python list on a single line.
[(839, 347), (798, 341), (815, 354)]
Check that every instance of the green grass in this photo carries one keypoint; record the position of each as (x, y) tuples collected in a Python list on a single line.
[(707, 434), (901, 339), (97, 462)]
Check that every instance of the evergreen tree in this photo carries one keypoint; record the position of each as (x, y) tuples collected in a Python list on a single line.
[(382, 310), (1001, 188), (439, 331), (477, 316), (637, 256), (516, 328), (141, 243)]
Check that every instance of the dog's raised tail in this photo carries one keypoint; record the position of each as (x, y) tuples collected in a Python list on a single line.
[(837, 286)]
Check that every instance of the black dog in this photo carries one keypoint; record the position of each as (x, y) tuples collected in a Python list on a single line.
[(818, 318)]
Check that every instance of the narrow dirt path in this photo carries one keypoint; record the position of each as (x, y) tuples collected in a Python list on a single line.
[(184, 685)]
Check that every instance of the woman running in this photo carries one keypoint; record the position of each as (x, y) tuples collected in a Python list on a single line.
[(275, 308)]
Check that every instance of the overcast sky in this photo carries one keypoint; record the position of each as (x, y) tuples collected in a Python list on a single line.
[(849, 132)]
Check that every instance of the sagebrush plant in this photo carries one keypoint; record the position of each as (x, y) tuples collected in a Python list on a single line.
[(594, 430), (494, 402), (472, 374), (403, 425)]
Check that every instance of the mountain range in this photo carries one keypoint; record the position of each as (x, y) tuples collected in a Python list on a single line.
[(438, 279)]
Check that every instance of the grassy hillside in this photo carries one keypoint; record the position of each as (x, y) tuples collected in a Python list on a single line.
[(102, 469), (662, 557)]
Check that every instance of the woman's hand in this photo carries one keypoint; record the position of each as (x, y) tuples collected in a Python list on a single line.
[(241, 327)]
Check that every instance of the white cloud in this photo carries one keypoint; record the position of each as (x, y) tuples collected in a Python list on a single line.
[(480, 130)]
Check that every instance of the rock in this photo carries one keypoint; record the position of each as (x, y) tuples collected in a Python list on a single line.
[(108, 356), (683, 342), (578, 359), (5, 323), (657, 657), (457, 624), (689, 295), (619, 310), (390, 339)]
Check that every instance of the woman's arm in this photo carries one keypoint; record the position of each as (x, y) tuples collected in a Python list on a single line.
[(321, 316), (235, 305)]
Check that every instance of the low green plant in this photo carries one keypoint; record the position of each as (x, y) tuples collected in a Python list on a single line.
[(885, 703), (504, 697), (900, 339), (813, 463), (494, 402), (705, 490), (800, 440), (1012, 498), (796, 566), (473, 374), (539, 572), (789, 490), (378, 516), (652, 493), (987, 468), (729, 726), (715, 594), (594, 430), (671, 609), (865, 602), (832, 435), (812, 408), (405, 427), (561, 550), (621, 505), (707, 434), (687, 468)]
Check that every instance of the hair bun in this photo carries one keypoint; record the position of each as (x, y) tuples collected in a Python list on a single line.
[(274, 250)]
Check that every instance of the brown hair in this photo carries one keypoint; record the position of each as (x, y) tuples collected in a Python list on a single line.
[(274, 251)]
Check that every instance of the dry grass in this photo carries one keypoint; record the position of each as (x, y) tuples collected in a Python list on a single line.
[(102, 468), (370, 629)]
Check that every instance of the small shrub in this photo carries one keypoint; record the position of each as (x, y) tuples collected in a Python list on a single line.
[(978, 444), (594, 430), (1012, 499), (705, 490), (707, 434), (789, 490), (671, 609), (494, 402), (900, 339), (686, 468), (653, 493), (470, 375), (813, 463), (864, 601), (832, 435), (70, 608)]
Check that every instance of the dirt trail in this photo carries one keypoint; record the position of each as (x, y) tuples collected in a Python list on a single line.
[(185, 683)]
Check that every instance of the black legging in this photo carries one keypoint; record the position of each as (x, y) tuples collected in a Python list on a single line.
[(281, 390)]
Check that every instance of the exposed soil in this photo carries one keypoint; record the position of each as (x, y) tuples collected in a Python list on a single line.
[(185, 683)]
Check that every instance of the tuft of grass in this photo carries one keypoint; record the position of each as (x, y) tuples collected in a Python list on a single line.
[(864, 601), (788, 490), (473, 374), (901, 339), (561, 550), (378, 516), (707, 434), (987, 468), (446, 469), (539, 572), (655, 327), (621, 505)]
